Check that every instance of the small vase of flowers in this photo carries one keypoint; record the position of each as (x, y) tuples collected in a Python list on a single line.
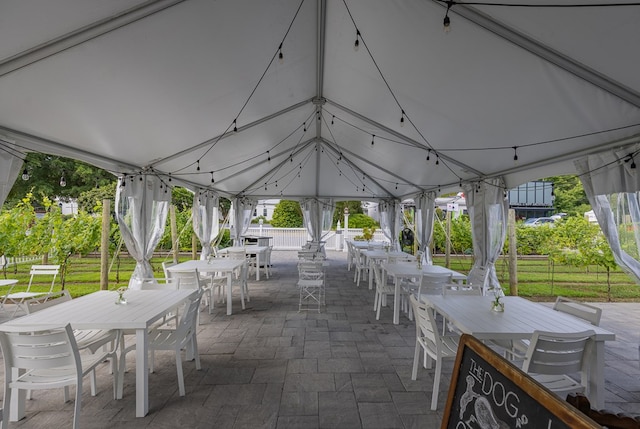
[(121, 299), (496, 304)]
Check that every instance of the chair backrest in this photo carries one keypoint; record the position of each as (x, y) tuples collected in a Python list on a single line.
[(426, 327), (152, 283), (237, 253), (187, 279), (29, 348), (458, 289), (434, 283), (44, 270), (165, 266), (40, 303), (377, 275), (189, 316), (590, 313), (556, 353), (310, 270)]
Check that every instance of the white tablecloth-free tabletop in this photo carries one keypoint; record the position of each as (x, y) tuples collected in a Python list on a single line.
[(404, 270), (473, 315), (224, 266), (99, 311)]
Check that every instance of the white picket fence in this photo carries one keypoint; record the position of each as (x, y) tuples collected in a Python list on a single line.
[(295, 238), (17, 260)]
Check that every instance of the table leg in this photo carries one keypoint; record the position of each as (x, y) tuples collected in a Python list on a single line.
[(257, 266), (229, 282), (596, 376), (396, 302), (142, 373)]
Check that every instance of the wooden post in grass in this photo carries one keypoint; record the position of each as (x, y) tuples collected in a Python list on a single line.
[(513, 253), (104, 244), (174, 233)]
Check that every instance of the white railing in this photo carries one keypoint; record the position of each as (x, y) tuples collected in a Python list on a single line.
[(296, 238)]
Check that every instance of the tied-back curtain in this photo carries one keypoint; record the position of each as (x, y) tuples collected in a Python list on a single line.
[(242, 212), (612, 187), (205, 219), (10, 166), (488, 207), (390, 221), (318, 216), (425, 210), (141, 211)]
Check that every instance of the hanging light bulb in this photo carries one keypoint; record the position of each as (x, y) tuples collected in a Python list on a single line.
[(212, 181), (25, 174), (447, 22), (428, 153), (515, 153), (280, 55), (63, 182), (356, 45), (372, 139), (437, 159), (235, 128), (304, 127), (402, 119), (169, 177), (198, 168), (268, 156), (332, 118)]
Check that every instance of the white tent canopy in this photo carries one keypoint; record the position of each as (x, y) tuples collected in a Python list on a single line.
[(159, 86)]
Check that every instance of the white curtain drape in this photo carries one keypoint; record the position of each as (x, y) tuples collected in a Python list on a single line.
[(390, 221), (488, 206), (612, 187), (206, 223), (141, 211), (242, 212), (425, 210), (318, 216), (10, 166)]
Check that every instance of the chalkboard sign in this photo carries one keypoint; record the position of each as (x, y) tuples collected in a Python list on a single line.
[(487, 391)]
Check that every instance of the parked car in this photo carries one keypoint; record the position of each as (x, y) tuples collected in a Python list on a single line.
[(537, 221)]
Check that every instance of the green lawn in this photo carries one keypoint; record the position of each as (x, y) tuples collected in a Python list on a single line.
[(537, 279)]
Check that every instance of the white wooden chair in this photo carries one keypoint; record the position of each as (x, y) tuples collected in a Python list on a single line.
[(436, 347), (193, 280), (553, 356), (384, 289), (590, 313), (86, 339), (361, 269), (311, 284), (18, 298), (183, 337), (49, 359), (428, 284), (241, 274)]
